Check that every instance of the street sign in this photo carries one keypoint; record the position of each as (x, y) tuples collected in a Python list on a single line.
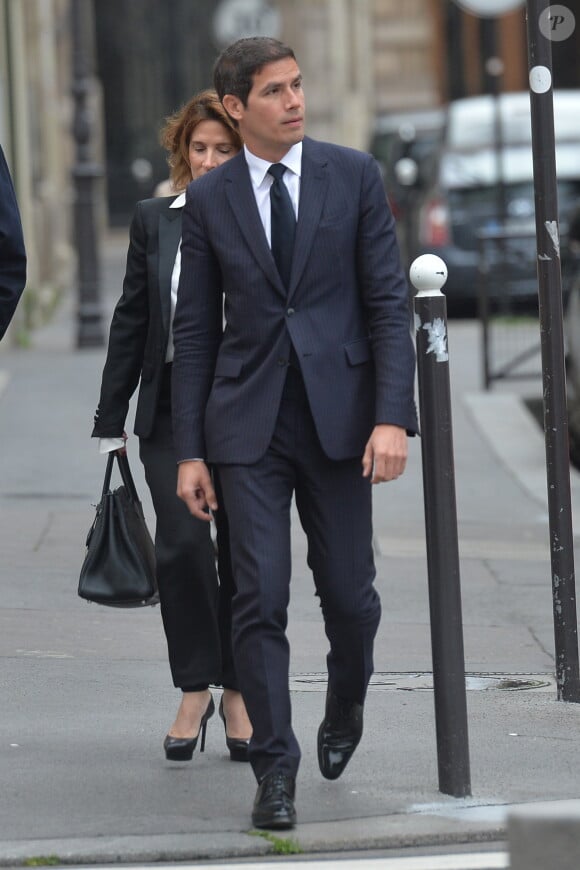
[(236, 19), (489, 8)]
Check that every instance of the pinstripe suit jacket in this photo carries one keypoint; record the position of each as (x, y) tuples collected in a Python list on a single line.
[(140, 326), (346, 312)]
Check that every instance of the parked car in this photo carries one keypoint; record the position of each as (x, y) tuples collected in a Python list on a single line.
[(570, 258), (482, 193), (409, 139)]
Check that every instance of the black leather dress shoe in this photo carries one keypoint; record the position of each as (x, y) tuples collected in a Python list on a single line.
[(274, 803), (338, 735)]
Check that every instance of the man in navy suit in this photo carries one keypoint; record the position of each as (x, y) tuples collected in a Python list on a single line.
[(12, 253), (307, 393)]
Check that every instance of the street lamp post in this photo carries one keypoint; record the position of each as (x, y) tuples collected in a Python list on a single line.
[(86, 171)]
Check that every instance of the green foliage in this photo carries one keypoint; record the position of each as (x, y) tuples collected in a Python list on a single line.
[(281, 845), (43, 861)]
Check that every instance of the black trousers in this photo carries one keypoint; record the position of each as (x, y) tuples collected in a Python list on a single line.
[(195, 608), (335, 507)]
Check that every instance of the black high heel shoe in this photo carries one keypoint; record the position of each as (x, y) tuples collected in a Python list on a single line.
[(237, 745), (181, 748)]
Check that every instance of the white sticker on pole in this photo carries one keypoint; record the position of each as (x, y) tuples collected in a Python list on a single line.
[(540, 79)]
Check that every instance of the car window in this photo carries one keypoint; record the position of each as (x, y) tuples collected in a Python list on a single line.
[(472, 204)]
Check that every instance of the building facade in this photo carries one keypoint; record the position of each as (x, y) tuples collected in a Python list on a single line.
[(35, 114)]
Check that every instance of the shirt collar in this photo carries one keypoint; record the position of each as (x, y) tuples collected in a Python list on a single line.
[(179, 201), (258, 168)]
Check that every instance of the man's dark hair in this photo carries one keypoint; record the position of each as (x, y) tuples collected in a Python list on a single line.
[(234, 70)]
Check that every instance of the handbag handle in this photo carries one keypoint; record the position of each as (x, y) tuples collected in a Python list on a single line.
[(108, 472), (123, 463)]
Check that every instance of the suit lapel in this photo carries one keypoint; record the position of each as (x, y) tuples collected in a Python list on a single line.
[(313, 187), (243, 203), (169, 237)]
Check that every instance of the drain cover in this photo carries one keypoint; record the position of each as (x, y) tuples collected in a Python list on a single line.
[(423, 682)]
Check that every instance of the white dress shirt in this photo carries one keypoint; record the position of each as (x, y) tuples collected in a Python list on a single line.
[(262, 182), (179, 202)]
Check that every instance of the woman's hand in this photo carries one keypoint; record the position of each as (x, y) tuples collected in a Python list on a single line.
[(122, 451)]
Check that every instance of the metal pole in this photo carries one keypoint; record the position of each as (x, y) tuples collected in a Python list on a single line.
[(85, 173), (483, 272), (428, 273), (552, 347), (493, 69)]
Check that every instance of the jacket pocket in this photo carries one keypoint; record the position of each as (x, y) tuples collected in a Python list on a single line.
[(358, 352), (228, 367)]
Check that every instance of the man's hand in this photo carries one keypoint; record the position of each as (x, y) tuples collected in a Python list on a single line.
[(194, 486), (385, 455)]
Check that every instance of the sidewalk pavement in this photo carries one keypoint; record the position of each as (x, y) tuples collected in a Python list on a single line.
[(86, 691)]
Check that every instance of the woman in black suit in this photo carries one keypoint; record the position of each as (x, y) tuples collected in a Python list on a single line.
[(196, 610)]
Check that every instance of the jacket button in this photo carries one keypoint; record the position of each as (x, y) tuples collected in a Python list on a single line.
[(282, 362), (290, 312)]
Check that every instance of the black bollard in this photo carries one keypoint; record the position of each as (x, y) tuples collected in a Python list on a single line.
[(428, 274)]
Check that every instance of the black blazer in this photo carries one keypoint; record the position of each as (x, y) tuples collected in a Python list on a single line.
[(346, 312), (140, 326), (12, 253)]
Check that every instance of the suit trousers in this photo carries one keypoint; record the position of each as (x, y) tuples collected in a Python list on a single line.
[(196, 612), (334, 504)]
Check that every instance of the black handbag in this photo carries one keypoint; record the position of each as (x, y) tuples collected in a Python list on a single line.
[(119, 565)]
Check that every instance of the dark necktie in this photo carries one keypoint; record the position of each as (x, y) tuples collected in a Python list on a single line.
[(283, 225)]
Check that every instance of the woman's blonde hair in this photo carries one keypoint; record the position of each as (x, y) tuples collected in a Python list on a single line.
[(178, 128)]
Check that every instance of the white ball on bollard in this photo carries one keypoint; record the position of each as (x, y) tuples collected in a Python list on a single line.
[(428, 272)]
